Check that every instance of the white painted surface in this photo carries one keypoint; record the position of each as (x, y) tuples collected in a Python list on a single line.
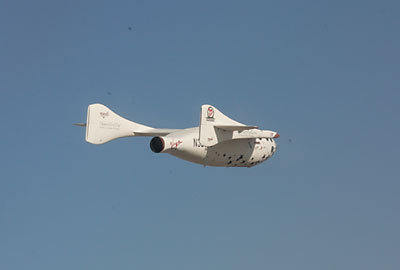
[(218, 141)]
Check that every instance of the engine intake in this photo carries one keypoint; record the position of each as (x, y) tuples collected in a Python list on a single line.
[(157, 144)]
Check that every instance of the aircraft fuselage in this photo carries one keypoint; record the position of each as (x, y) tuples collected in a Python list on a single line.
[(185, 144)]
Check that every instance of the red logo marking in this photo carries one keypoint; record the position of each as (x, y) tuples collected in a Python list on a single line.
[(174, 145), (103, 114), (210, 112)]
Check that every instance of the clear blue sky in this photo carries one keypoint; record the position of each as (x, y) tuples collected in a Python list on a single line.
[(324, 74)]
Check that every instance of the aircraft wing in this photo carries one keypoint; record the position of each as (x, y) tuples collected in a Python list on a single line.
[(216, 127), (155, 132), (233, 128)]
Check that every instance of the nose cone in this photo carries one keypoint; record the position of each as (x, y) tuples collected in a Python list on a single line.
[(276, 135)]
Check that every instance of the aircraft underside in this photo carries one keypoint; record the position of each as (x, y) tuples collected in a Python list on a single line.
[(233, 153)]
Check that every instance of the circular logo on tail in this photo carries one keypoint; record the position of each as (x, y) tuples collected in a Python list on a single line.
[(210, 112)]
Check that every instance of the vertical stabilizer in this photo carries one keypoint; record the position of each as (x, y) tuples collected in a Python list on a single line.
[(103, 125), (210, 117)]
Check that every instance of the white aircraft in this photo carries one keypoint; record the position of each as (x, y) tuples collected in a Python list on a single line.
[(218, 141)]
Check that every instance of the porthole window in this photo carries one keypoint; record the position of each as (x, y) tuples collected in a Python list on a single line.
[(240, 157)]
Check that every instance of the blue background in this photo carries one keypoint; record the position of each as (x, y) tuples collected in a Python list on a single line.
[(324, 74)]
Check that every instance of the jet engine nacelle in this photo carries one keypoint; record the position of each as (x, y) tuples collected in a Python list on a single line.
[(164, 144)]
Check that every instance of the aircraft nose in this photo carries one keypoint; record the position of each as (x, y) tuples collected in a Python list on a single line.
[(276, 135)]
